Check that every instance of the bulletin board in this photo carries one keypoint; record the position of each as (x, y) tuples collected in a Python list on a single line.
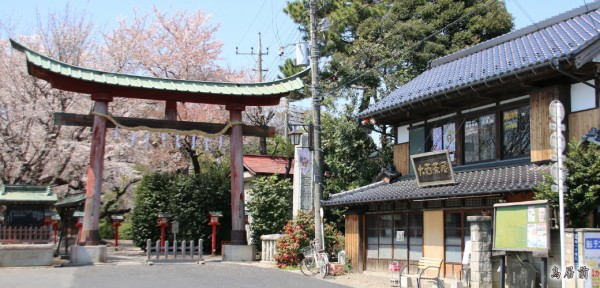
[(522, 226)]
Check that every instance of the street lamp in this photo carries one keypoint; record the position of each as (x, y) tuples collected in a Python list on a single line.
[(163, 223), (79, 216), (116, 222), (214, 221), (295, 135), (48, 221), (55, 222)]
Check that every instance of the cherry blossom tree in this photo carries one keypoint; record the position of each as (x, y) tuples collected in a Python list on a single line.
[(33, 150)]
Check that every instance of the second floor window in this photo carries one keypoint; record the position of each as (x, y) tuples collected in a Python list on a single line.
[(480, 139), (515, 132), (444, 137)]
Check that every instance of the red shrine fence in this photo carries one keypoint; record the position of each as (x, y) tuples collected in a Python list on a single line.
[(23, 234)]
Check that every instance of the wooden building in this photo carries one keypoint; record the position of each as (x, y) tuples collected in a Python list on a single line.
[(263, 166), (487, 105), (24, 213)]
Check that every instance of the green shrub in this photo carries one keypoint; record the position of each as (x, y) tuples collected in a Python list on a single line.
[(270, 204), (188, 198), (125, 230), (106, 230)]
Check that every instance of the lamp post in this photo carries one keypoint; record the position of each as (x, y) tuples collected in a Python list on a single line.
[(79, 216), (295, 135), (163, 223), (116, 222), (55, 222), (214, 221), (48, 221)]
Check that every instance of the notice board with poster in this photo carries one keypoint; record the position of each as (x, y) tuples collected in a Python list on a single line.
[(591, 258), (522, 226)]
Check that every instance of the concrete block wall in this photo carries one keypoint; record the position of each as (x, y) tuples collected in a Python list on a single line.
[(19, 255)]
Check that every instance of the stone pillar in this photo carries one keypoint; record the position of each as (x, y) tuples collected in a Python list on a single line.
[(268, 247), (481, 251)]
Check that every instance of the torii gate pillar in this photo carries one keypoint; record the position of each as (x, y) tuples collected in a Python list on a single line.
[(90, 235), (238, 229)]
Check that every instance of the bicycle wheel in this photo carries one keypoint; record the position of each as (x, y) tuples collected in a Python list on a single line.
[(324, 265), (308, 266)]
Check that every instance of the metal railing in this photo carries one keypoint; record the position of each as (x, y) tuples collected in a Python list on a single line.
[(184, 250)]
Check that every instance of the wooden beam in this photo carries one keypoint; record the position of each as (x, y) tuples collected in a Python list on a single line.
[(70, 119)]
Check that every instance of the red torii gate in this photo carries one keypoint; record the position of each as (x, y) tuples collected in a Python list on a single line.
[(104, 86)]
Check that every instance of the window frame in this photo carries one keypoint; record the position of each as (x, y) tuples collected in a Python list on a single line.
[(463, 229), (502, 133), (430, 126), (463, 136), (498, 111), (409, 227)]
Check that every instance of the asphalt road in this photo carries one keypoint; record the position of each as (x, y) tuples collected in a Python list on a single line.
[(211, 274)]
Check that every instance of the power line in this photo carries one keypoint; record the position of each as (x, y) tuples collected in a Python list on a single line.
[(524, 11), (251, 24)]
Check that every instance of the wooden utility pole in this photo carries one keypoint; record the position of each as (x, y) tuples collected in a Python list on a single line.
[(259, 54), (259, 118)]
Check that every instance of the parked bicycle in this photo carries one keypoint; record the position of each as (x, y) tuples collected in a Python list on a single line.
[(315, 261)]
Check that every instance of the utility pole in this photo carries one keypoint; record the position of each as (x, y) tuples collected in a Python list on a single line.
[(259, 54), (316, 101), (260, 118)]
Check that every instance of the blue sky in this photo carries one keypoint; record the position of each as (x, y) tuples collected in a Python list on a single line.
[(240, 20)]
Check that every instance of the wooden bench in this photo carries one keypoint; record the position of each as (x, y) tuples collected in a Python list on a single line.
[(424, 265)]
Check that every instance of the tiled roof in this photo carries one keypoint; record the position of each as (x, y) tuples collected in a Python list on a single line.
[(71, 200), (265, 164), (513, 178), (48, 66), (27, 194), (558, 38)]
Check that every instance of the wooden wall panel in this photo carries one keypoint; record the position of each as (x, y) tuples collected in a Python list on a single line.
[(433, 234), (402, 158), (353, 240), (580, 123), (540, 131)]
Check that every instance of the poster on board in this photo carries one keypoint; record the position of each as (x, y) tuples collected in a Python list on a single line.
[(591, 258), (521, 226)]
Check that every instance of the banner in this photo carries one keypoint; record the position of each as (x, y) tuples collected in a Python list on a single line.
[(303, 160)]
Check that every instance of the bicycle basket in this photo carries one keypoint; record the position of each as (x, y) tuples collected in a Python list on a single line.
[(307, 251)]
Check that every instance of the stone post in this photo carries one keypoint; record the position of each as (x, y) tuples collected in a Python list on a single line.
[(481, 251)]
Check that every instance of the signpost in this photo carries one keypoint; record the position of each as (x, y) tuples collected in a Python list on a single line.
[(557, 142)]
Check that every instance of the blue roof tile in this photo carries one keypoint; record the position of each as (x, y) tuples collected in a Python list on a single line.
[(511, 178), (559, 37)]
